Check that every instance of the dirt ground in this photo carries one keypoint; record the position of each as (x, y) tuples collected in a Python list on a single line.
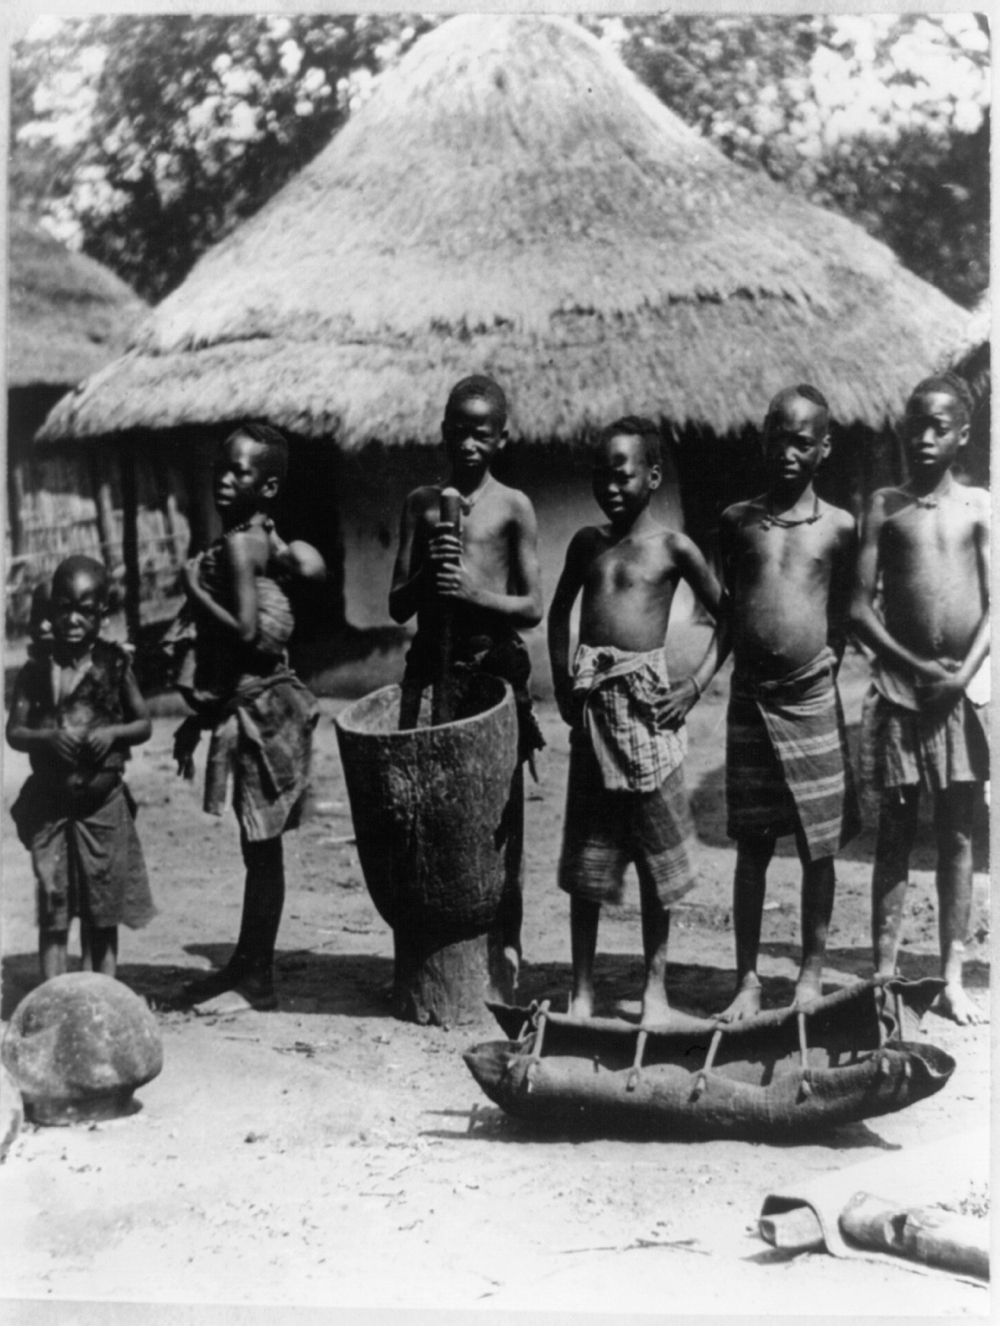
[(329, 1154)]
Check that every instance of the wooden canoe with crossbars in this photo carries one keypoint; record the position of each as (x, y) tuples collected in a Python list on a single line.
[(848, 1056)]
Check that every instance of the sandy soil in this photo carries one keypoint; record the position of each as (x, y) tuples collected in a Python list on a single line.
[(328, 1154)]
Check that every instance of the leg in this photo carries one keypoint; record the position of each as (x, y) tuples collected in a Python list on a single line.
[(511, 912), (584, 916), (753, 856), (99, 946), (897, 829), (655, 935), (250, 968), (53, 949), (818, 884), (953, 811)]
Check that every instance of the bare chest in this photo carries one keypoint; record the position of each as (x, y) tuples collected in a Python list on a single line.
[(769, 555), (941, 536), (627, 568)]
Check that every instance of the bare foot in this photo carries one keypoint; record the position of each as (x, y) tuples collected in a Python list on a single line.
[(808, 988), (512, 962), (581, 1005), (656, 1011), (954, 1003), (747, 1001)]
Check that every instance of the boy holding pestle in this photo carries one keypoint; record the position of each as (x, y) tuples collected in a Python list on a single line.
[(473, 583)]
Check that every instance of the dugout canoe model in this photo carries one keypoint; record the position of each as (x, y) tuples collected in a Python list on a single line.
[(781, 1073), (430, 811)]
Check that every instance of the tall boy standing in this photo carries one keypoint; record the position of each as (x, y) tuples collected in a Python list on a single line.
[(787, 561), (927, 544), (626, 799), (487, 577), (77, 711)]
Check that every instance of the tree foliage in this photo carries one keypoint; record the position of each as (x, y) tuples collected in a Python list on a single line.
[(148, 138), (883, 118), (195, 121)]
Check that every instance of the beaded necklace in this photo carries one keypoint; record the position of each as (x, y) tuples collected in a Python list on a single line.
[(769, 518)]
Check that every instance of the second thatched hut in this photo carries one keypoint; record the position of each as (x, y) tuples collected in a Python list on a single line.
[(512, 200)]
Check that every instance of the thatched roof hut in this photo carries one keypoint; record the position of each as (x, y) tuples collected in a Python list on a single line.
[(68, 316), (512, 199), (970, 358)]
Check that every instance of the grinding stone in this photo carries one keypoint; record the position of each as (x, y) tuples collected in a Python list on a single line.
[(78, 1046)]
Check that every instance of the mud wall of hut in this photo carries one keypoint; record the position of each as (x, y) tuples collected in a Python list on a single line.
[(374, 484), (67, 499)]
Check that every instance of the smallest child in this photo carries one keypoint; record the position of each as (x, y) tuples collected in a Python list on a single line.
[(626, 799), (76, 712)]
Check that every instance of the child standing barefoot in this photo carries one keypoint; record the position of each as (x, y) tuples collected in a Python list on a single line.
[(787, 561), (76, 711), (487, 577), (242, 689), (928, 545), (626, 799)]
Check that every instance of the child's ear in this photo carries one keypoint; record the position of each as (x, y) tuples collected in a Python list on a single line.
[(963, 434), (655, 477), (504, 439), (269, 488)]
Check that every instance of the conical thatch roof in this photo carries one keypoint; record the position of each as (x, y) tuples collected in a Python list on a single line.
[(511, 199), (971, 357), (67, 315)]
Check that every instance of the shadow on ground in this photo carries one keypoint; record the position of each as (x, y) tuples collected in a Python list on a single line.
[(348, 984), (490, 1123), (360, 985)]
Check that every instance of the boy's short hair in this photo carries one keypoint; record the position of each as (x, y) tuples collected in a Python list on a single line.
[(949, 384), (478, 387), (74, 566), (808, 393), (637, 425), (273, 444)]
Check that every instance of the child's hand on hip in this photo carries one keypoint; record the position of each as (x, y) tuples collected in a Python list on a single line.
[(677, 704)]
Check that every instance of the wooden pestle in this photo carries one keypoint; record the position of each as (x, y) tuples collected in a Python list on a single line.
[(443, 693)]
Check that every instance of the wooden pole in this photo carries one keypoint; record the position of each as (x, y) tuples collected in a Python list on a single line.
[(130, 538), (105, 507), (443, 701)]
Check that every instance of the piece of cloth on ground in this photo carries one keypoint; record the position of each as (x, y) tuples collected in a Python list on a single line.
[(263, 744), (498, 653), (787, 763), (904, 747), (86, 856), (947, 1170), (618, 692), (605, 830)]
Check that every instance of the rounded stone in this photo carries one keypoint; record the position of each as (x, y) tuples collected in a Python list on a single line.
[(11, 1111), (79, 1046)]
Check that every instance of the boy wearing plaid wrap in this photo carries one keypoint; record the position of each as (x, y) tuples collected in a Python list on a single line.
[(626, 800), (927, 545), (787, 560)]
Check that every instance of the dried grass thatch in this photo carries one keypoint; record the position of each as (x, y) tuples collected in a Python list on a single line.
[(971, 357), (67, 315), (513, 200)]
